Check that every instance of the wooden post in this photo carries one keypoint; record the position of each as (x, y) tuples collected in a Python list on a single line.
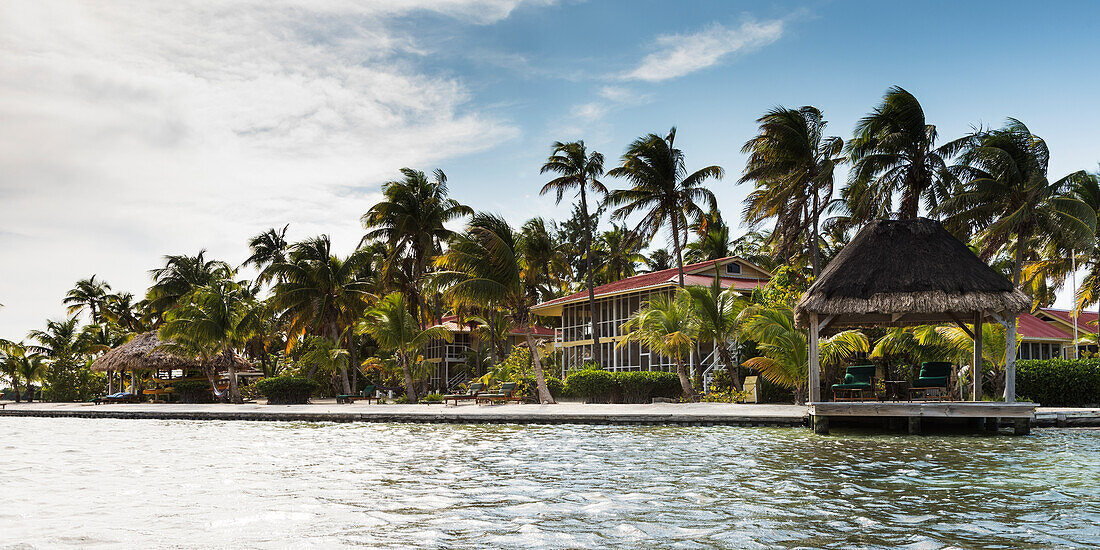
[(821, 424), (110, 383), (914, 425), (815, 362), (976, 364), (1021, 426), (1010, 360)]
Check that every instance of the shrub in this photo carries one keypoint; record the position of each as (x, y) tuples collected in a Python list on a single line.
[(594, 385), (1059, 382), (193, 391), (286, 390), (529, 387), (600, 386), (435, 397)]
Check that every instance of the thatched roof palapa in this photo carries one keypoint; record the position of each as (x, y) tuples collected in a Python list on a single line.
[(144, 353), (904, 273)]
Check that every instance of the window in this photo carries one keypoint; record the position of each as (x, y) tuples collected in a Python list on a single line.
[(733, 268)]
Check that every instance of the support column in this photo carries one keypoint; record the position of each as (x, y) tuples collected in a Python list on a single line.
[(821, 424), (110, 383), (976, 362), (815, 362), (914, 425), (1021, 426), (1010, 360)]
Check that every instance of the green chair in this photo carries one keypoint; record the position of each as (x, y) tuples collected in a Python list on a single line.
[(507, 393), (367, 394), (857, 379), (471, 394), (934, 375)]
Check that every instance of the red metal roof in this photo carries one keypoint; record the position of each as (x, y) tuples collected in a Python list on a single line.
[(1034, 328), (663, 277), (450, 322), (1086, 320)]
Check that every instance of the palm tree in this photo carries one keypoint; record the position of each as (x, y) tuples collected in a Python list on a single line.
[(578, 169), (268, 249), (399, 333), (951, 343), (712, 240), (894, 154), (319, 293), (667, 324), (62, 341), (786, 354), (411, 219), (31, 367), (11, 354), (620, 251), (791, 162), (486, 267), (718, 312), (179, 276), (658, 260), (546, 258), (1006, 193), (209, 321), (661, 189), (121, 310), (88, 294)]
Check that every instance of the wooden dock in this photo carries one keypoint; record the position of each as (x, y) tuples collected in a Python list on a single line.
[(980, 414)]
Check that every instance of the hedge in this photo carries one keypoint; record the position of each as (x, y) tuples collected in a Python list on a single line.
[(1059, 382), (193, 391), (599, 386), (286, 390)]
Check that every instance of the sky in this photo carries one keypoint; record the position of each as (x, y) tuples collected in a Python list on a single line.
[(130, 130)]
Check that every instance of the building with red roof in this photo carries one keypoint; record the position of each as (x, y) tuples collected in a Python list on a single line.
[(448, 356), (617, 301)]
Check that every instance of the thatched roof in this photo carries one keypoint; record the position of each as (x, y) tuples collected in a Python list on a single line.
[(144, 353), (907, 272)]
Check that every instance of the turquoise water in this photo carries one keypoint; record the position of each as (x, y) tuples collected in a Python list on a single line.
[(79, 483)]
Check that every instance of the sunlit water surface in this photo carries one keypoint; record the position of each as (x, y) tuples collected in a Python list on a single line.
[(182, 484)]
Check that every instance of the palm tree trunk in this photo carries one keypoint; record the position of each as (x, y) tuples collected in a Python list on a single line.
[(343, 368), (731, 370), (410, 389), (353, 360), (15, 384), (593, 315), (676, 244), (1018, 268), (234, 390), (540, 379), (814, 251), (209, 373), (685, 382)]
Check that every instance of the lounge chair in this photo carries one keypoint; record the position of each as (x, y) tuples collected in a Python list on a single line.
[(506, 393), (470, 395), (120, 397), (367, 394), (934, 375), (857, 380)]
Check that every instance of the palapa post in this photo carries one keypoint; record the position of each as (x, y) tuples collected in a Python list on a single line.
[(898, 273)]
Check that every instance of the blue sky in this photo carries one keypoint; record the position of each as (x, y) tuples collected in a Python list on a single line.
[(133, 130)]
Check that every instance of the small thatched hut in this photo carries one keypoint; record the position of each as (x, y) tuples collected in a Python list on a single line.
[(904, 273), (143, 353)]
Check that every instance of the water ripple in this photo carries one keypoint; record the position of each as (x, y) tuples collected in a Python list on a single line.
[(77, 483)]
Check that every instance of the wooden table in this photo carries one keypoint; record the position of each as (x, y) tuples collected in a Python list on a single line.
[(895, 390)]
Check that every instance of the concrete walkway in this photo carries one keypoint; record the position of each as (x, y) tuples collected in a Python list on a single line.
[(328, 410)]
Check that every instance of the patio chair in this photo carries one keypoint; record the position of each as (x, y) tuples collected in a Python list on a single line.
[(120, 397), (471, 394), (507, 393), (857, 379), (367, 394), (934, 375)]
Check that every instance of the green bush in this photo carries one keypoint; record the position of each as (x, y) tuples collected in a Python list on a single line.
[(433, 397), (1059, 382), (193, 391), (530, 388), (594, 385), (287, 390), (598, 386)]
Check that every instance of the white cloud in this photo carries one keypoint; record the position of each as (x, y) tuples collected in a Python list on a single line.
[(680, 54), (137, 129)]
